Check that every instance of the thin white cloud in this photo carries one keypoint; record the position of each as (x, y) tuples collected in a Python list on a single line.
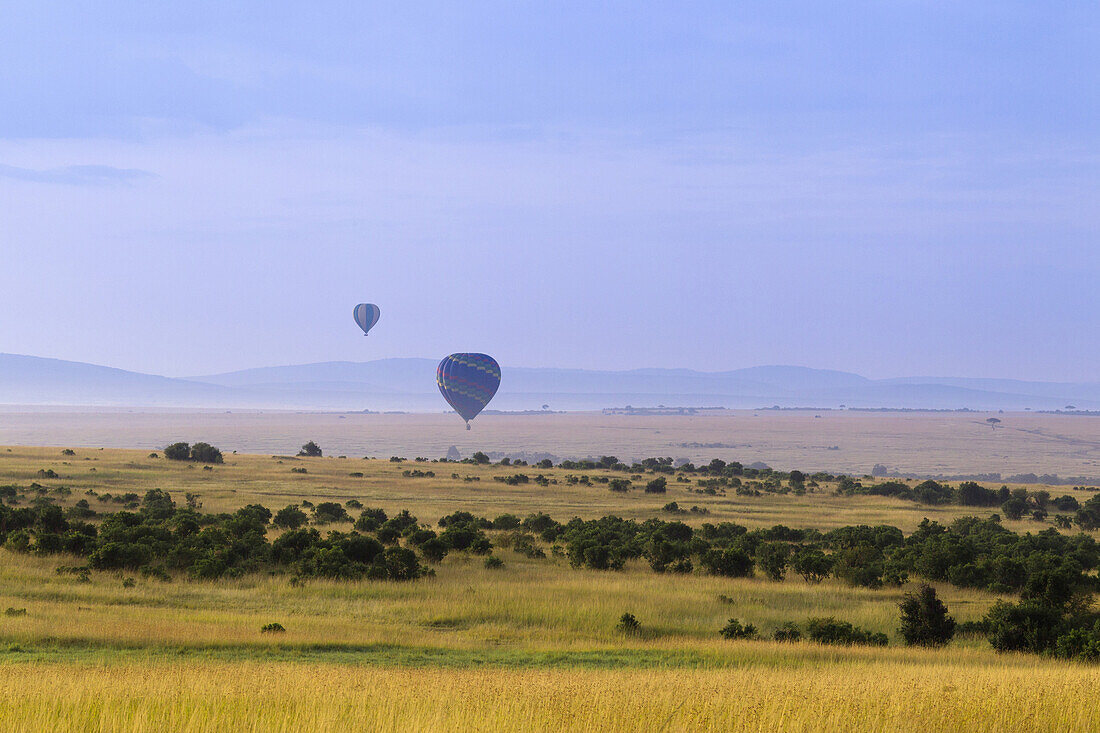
[(77, 175)]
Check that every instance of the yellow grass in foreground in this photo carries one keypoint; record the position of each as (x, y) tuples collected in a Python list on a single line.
[(214, 696)]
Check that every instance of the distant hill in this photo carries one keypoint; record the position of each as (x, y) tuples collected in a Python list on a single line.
[(409, 384)]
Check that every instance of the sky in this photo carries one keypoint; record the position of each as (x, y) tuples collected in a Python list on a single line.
[(895, 189)]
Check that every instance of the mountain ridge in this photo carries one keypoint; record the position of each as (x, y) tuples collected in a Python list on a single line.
[(409, 384)]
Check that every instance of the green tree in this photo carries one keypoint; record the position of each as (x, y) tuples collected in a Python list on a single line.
[(311, 450), (924, 619), (773, 558), (812, 564), (206, 453), (289, 517), (178, 452)]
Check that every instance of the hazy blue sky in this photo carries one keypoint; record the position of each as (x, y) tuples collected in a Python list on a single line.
[(901, 188)]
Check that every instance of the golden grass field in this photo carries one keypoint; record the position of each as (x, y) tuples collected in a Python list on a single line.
[(532, 646)]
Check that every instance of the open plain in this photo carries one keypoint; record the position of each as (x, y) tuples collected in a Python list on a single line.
[(532, 645), (848, 441)]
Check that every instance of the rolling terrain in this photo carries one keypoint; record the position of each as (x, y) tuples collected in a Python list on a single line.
[(409, 384)]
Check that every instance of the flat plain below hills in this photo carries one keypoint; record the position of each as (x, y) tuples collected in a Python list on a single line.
[(838, 441)]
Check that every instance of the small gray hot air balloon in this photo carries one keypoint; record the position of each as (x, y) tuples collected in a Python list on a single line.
[(366, 315)]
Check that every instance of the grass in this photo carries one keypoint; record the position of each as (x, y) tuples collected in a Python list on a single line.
[(249, 696), (531, 646)]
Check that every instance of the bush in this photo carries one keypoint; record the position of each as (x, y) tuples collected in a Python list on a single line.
[(1080, 644), (493, 563), (628, 624), (772, 558), (178, 452), (812, 564), (788, 631), (734, 630), (289, 517), (311, 450), (729, 563), (1023, 627), (657, 486), (272, 628), (205, 453), (833, 631), (924, 619), (328, 512)]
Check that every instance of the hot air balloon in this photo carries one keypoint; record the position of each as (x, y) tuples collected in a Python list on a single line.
[(366, 315), (468, 382)]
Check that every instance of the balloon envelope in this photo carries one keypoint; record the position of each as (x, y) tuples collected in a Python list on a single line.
[(468, 382), (366, 315)]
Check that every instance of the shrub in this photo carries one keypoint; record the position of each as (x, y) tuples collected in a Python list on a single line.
[(657, 486), (924, 619), (311, 450), (734, 630), (328, 512), (628, 624), (619, 484), (272, 628), (480, 458), (433, 550), (178, 452), (812, 564), (289, 517), (788, 631), (833, 631), (506, 521), (9, 611), (205, 453), (772, 558), (1014, 508), (1081, 644), (493, 563), (1023, 627)]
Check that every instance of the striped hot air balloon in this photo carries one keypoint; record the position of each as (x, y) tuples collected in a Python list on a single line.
[(366, 315), (468, 382)]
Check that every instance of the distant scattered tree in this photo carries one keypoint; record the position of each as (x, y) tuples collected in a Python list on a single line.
[(290, 517), (206, 453), (788, 631), (157, 504), (619, 484), (812, 564), (628, 624), (329, 511), (924, 619), (734, 630), (480, 458), (1014, 508), (993, 422), (657, 486), (178, 452), (311, 450), (772, 558)]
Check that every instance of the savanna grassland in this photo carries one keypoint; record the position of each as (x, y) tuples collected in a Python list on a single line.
[(531, 645)]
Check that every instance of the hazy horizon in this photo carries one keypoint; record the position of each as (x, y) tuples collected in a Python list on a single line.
[(896, 190)]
